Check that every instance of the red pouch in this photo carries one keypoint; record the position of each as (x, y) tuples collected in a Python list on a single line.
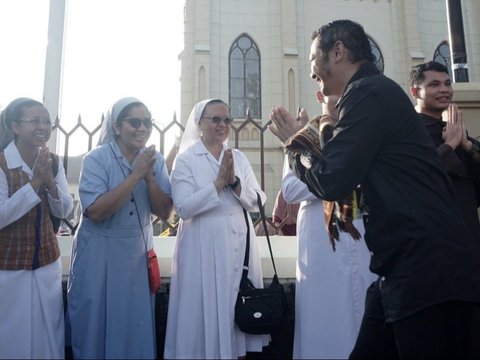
[(153, 271)]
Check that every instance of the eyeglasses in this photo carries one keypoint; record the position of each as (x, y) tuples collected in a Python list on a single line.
[(217, 120), (38, 121), (136, 122)]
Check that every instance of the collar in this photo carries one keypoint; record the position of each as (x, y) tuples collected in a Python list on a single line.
[(366, 69), (14, 160), (201, 149), (119, 155), (430, 120)]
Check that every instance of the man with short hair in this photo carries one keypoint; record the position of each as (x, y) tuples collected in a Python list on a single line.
[(421, 304), (431, 87)]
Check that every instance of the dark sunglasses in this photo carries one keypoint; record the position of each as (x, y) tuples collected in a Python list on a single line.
[(36, 122), (217, 120), (136, 122)]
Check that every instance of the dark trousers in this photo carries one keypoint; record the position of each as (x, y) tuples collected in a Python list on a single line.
[(440, 331)]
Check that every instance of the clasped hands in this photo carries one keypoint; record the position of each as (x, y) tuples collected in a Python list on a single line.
[(143, 164), (226, 172), (454, 132), (284, 125), (42, 171)]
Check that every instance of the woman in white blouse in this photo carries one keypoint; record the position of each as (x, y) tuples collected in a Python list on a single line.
[(33, 187)]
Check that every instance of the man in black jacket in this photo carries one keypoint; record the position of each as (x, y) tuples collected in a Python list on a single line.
[(432, 89), (421, 304)]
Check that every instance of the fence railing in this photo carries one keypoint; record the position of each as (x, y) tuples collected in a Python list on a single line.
[(242, 129)]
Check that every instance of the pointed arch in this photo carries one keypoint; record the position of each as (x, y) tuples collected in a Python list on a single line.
[(202, 84), (443, 56), (244, 78), (291, 92)]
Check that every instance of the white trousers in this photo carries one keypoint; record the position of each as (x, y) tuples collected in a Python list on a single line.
[(31, 313)]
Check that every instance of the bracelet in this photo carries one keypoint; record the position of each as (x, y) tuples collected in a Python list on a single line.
[(48, 189), (475, 149), (236, 183)]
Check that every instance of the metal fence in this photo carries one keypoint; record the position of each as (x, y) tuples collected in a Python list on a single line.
[(239, 126)]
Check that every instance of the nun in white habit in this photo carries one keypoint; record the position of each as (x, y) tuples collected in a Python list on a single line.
[(211, 185)]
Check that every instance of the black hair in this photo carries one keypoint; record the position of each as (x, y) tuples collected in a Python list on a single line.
[(351, 34), (416, 75)]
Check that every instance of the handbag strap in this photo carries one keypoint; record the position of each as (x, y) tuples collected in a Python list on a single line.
[(262, 215), (247, 247), (134, 202)]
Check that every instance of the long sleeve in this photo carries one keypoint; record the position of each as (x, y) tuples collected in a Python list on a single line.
[(293, 189), (250, 186), (62, 206), (14, 207), (189, 198), (448, 157), (349, 154)]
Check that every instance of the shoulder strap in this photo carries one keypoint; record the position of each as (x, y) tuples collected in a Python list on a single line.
[(262, 215), (247, 245), (55, 160), (3, 162)]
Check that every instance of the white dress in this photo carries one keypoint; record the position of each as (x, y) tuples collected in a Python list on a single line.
[(31, 301), (208, 259), (331, 286)]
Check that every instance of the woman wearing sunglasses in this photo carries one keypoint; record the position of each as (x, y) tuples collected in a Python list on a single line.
[(122, 183), (31, 188), (211, 185)]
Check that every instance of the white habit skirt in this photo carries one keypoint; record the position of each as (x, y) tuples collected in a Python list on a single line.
[(31, 313)]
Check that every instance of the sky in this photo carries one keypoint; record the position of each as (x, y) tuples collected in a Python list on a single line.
[(112, 49)]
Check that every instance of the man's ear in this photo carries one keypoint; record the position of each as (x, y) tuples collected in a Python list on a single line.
[(414, 91), (320, 97), (339, 50)]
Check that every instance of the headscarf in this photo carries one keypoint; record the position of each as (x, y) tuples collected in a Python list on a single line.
[(7, 117), (106, 133), (192, 130)]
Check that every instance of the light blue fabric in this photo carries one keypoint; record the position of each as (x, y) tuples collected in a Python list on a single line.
[(110, 307)]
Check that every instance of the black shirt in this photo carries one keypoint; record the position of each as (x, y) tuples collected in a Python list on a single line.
[(462, 168), (420, 247)]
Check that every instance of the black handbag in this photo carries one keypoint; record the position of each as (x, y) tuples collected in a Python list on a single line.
[(259, 311)]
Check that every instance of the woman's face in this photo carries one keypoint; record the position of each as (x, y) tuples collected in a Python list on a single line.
[(134, 129), (215, 123), (33, 128)]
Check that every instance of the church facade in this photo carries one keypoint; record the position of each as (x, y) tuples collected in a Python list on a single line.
[(254, 54)]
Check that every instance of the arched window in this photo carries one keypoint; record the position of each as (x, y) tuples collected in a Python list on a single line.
[(244, 78), (201, 83), (443, 56), (378, 55), (291, 92)]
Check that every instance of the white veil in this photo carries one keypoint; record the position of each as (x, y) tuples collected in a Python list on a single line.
[(106, 133), (192, 130)]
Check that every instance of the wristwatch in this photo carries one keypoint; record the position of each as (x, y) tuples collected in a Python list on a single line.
[(236, 183)]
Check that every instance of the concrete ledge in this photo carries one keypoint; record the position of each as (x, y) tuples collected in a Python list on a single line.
[(284, 251)]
